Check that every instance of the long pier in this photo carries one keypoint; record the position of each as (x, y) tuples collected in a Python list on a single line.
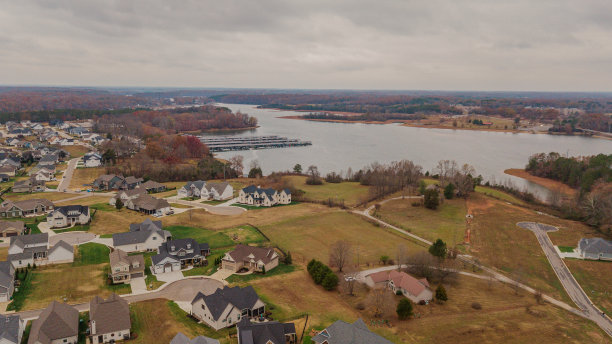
[(235, 143)]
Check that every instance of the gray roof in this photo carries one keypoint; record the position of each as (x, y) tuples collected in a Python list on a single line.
[(62, 244), (342, 332), (220, 187), (110, 315), (199, 184), (166, 249), (595, 246), (7, 275), (69, 210), (183, 339), (7, 225), (139, 233), (10, 328), (241, 298), (32, 239), (57, 321), (263, 333), (146, 225)]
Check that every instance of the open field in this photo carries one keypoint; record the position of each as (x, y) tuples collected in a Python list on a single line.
[(595, 278), (502, 312), (85, 176), (310, 236), (51, 196), (158, 321), (497, 242), (352, 193), (75, 151), (446, 223), (461, 123), (74, 284), (499, 195), (550, 184), (218, 238)]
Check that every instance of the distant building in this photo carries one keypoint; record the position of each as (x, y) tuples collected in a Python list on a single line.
[(178, 254), (69, 215), (145, 236), (183, 339), (255, 196), (342, 332), (414, 289)]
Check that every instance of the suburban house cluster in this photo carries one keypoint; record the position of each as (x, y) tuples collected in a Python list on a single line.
[(137, 198), (256, 196), (110, 182), (206, 191)]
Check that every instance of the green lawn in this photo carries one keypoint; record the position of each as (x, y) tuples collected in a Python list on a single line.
[(566, 249), (77, 228), (216, 239), (498, 194), (103, 207), (33, 228), (22, 292), (91, 254), (279, 270), (352, 193), (213, 202), (253, 207), (150, 279), (208, 269)]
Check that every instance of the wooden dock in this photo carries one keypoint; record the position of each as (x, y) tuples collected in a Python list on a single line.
[(235, 143)]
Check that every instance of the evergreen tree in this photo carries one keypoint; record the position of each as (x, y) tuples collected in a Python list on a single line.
[(404, 309), (330, 281), (438, 249), (441, 293), (449, 191)]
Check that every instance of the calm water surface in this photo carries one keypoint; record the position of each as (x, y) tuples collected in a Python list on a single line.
[(337, 146)]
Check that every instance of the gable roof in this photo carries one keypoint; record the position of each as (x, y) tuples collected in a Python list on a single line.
[(242, 253), (165, 249), (198, 184), (27, 205), (149, 202), (151, 184), (401, 280), (219, 187), (8, 225), (62, 244), (217, 302), (110, 315), (595, 246), (7, 276), (69, 210), (10, 328), (263, 333), (31, 239), (57, 321), (342, 332), (146, 225)]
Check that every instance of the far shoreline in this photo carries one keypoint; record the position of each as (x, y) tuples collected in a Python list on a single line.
[(549, 184)]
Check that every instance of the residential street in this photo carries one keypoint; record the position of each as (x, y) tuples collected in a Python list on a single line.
[(67, 176), (568, 281)]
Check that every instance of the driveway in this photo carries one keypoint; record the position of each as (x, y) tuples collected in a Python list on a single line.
[(170, 277), (72, 238), (138, 285), (45, 228), (67, 176), (568, 281), (217, 210)]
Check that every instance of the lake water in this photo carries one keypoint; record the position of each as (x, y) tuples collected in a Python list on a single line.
[(337, 146)]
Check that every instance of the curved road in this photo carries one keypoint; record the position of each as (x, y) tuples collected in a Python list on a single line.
[(184, 290), (587, 309), (573, 289)]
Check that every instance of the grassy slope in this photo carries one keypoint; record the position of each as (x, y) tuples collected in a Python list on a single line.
[(446, 223), (595, 278), (352, 193)]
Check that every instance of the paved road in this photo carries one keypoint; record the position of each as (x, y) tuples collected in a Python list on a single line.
[(181, 291), (67, 176), (591, 312), (217, 210), (568, 281), (367, 212)]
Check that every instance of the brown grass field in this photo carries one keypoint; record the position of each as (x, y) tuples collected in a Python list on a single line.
[(595, 278), (310, 236), (352, 193), (505, 317), (446, 223), (51, 196), (75, 151), (85, 176), (74, 283)]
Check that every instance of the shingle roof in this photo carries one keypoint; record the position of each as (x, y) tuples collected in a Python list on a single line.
[(57, 321), (10, 328), (27, 205), (110, 315), (198, 184), (263, 333), (183, 339), (165, 249), (402, 280), (342, 332), (151, 184), (8, 225), (595, 246), (146, 225), (67, 209), (148, 202), (61, 244), (241, 298), (219, 187), (7, 275), (32, 239), (242, 253)]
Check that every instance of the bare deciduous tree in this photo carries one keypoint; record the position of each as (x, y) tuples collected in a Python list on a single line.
[(401, 256), (379, 301), (340, 254), (421, 264), (236, 164)]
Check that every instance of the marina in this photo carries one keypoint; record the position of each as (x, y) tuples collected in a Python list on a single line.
[(236, 143)]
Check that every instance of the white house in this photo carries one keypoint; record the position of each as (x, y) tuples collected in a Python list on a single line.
[(34, 249), (145, 236), (92, 160), (256, 196), (193, 189), (595, 248), (7, 281), (69, 215), (225, 307), (218, 191), (109, 320)]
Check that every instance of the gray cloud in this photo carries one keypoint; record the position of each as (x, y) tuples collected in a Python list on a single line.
[(401, 44)]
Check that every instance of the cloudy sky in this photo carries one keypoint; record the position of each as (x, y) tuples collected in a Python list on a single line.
[(523, 45)]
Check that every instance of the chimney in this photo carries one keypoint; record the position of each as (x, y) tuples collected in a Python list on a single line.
[(93, 326)]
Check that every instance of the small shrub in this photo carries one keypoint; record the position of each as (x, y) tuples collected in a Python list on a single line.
[(398, 292), (404, 309), (360, 306), (441, 293), (476, 306), (330, 281), (416, 204), (422, 303)]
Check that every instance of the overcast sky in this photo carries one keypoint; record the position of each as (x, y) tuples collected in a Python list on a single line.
[(522, 45)]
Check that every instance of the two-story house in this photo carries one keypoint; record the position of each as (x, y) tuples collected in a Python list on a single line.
[(145, 236), (226, 307), (178, 254), (125, 267), (69, 215)]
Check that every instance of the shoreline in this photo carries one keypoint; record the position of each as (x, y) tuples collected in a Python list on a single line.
[(407, 123), (549, 184)]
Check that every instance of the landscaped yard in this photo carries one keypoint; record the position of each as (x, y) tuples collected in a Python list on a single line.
[(91, 254), (566, 249), (279, 270), (446, 223), (158, 321), (311, 236), (351, 192), (218, 238)]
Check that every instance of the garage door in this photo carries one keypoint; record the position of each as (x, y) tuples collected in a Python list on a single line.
[(168, 267)]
